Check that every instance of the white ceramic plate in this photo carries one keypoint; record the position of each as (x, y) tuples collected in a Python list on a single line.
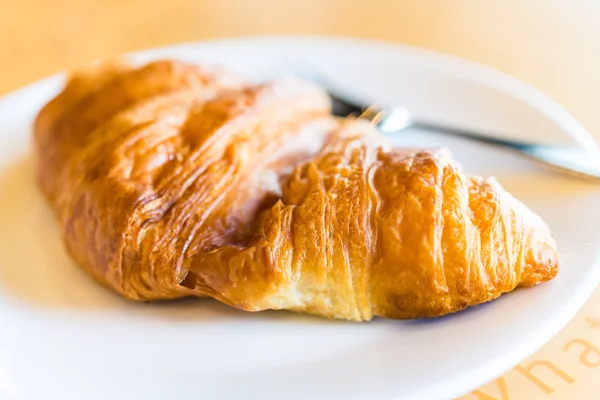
[(63, 336)]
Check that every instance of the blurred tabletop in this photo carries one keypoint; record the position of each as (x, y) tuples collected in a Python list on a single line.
[(554, 45)]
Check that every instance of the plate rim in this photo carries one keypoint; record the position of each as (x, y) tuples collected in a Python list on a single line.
[(466, 68)]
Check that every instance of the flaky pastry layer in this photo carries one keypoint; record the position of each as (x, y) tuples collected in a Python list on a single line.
[(172, 180)]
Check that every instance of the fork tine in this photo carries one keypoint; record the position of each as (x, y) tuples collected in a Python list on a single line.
[(343, 108), (342, 104)]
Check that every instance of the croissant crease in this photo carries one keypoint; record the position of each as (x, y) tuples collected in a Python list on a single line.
[(172, 180)]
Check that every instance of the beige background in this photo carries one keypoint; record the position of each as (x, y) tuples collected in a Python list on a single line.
[(553, 45)]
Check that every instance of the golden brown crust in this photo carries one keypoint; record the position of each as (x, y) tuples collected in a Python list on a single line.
[(173, 181)]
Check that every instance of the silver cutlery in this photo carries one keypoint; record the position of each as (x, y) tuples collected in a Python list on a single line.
[(393, 120)]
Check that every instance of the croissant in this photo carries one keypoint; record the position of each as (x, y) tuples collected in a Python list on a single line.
[(172, 180)]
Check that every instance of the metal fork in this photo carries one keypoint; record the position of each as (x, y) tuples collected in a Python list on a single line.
[(393, 120)]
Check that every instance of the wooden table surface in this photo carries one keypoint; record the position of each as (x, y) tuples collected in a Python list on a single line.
[(553, 45)]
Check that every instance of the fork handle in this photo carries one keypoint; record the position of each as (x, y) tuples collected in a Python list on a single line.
[(567, 159)]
